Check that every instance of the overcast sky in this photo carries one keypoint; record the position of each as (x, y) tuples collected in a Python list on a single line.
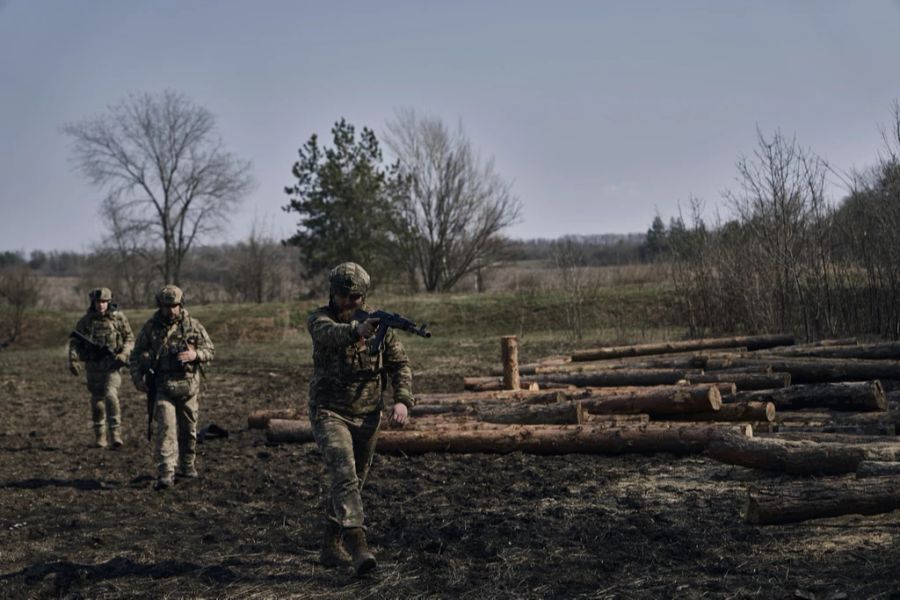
[(601, 114)]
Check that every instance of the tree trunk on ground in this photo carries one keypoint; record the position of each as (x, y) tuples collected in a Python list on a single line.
[(258, 419), (881, 351), (751, 342), (855, 396), (820, 370), (846, 498), (607, 378), (666, 401), (875, 445), (745, 381), (737, 411), (874, 468), (799, 458), (561, 413), (534, 439)]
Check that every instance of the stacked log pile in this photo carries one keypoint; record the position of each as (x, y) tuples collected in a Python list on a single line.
[(818, 409)]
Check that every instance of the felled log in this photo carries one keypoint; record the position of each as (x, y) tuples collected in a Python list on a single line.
[(745, 381), (751, 342), (737, 411), (874, 468), (879, 351), (258, 419), (852, 396), (607, 378), (490, 384), (671, 400), (820, 370), (535, 439), (824, 429), (562, 439), (779, 507), (795, 457), (561, 413), (533, 396), (877, 446), (289, 430)]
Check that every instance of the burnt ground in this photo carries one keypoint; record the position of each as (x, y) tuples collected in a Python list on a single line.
[(83, 523)]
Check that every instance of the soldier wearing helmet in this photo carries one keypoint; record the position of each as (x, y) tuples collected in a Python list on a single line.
[(346, 396), (170, 349), (102, 341)]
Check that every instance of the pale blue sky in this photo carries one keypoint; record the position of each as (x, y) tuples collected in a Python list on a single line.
[(601, 113)]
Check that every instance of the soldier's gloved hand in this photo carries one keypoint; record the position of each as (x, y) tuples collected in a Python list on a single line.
[(141, 386), (367, 328), (399, 415), (122, 358), (74, 369)]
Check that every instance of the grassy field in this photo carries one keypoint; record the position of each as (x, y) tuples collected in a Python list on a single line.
[(81, 523)]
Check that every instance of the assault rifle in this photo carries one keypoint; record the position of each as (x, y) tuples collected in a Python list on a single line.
[(96, 351), (386, 321)]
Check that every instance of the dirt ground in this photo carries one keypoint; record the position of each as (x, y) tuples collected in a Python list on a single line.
[(84, 523)]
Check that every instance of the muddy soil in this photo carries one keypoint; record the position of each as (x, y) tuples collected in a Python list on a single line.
[(77, 522)]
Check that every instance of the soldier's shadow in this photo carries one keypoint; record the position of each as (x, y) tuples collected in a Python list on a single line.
[(83, 485)]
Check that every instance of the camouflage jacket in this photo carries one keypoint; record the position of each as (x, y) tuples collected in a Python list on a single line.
[(159, 343), (110, 329), (346, 377)]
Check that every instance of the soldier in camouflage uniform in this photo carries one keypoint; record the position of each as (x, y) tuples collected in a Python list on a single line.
[(173, 345), (345, 403), (107, 327)]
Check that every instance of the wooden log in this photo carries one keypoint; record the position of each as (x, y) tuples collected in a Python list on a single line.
[(561, 439), (561, 413), (656, 401), (737, 411), (852, 396), (745, 381), (820, 501), (874, 468), (258, 419), (830, 428), (616, 419), (821, 370), (879, 351), (751, 342), (501, 396), (795, 457), (280, 431), (491, 384), (607, 378), (509, 351), (878, 446)]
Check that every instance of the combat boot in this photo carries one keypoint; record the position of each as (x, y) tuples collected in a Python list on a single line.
[(116, 439), (363, 559), (99, 437), (333, 553), (188, 472), (164, 482)]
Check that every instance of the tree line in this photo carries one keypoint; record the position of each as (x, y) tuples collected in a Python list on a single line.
[(785, 258)]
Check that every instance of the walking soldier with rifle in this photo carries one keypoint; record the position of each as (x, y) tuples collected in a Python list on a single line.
[(102, 340), (166, 365), (353, 362)]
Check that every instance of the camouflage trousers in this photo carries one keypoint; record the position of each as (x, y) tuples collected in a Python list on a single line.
[(104, 389), (176, 411), (347, 445)]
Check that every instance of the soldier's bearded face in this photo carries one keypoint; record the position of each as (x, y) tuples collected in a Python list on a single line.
[(347, 305), (170, 312)]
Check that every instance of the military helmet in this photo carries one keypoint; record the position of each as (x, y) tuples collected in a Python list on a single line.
[(348, 278), (169, 295), (100, 294)]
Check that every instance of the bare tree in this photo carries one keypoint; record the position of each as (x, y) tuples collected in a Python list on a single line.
[(20, 289), (261, 269), (455, 206), (164, 170)]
